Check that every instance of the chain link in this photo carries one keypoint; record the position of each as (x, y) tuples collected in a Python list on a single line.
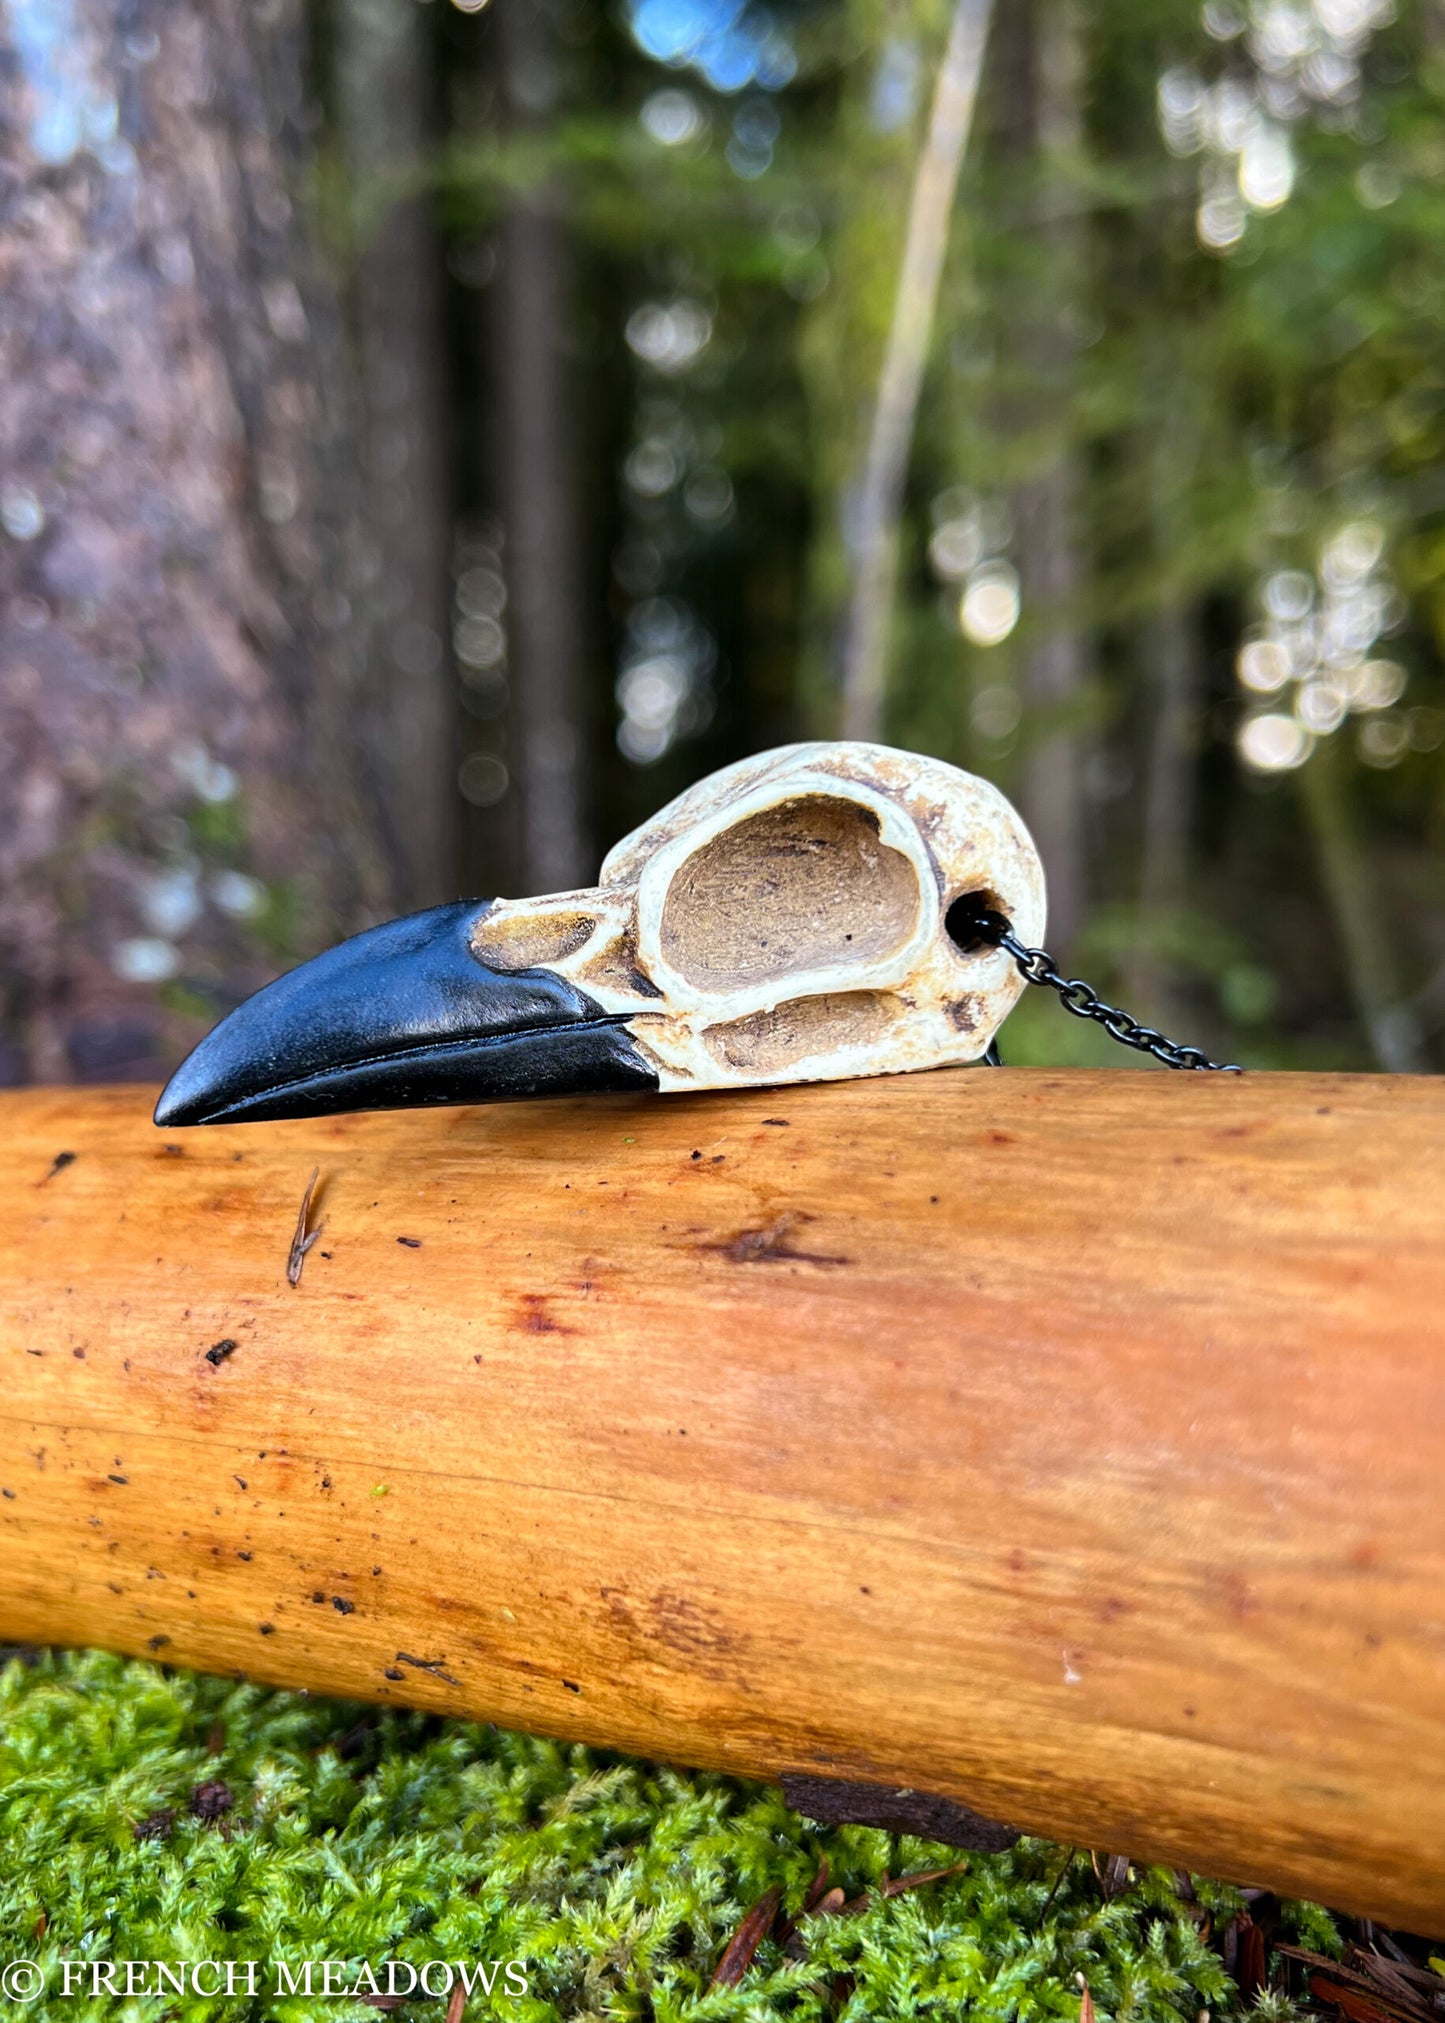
[(1084, 1001)]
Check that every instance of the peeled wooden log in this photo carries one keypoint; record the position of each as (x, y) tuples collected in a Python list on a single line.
[(1069, 1445)]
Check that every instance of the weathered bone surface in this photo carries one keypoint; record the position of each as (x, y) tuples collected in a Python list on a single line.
[(785, 920)]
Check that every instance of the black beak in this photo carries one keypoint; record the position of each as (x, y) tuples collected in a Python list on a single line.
[(398, 1017)]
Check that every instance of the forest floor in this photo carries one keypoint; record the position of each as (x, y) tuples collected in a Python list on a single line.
[(150, 1814)]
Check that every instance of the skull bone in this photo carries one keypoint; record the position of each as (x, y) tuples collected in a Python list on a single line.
[(784, 920)]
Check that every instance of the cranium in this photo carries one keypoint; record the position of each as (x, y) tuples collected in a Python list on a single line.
[(799, 916)]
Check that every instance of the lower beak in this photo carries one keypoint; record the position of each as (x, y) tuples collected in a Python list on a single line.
[(401, 1016)]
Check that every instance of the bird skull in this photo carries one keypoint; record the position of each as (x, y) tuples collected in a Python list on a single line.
[(785, 920)]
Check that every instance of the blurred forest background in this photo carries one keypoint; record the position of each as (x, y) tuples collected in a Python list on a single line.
[(433, 432)]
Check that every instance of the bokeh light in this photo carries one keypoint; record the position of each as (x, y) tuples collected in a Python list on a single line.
[(1315, 650), (664, 689), (669, 336), (730, 43), (989, 609), (1281, 62), (672, 117), (1273, 743)]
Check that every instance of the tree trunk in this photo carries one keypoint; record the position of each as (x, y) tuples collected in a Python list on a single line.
[(178, 812), (1174, 681), (1052, 795), (412, 719), (1390, 1023), (1039, 80), (538, 459), (1172, 694)]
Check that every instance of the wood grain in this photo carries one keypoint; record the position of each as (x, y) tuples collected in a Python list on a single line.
[(1068, 1444)]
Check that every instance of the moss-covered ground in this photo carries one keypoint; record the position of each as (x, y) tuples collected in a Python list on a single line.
[(150, 1814)]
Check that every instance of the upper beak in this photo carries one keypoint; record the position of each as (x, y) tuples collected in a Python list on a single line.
[(400, 1016)]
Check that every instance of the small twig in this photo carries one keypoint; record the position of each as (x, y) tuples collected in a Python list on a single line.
[(1058, 1879), (1113, 1877), (831, 1903), (743, 1945), (1379, 1937), (301, 1242), (818, 1892), (896, 1885), (457, 2003), (817, 1888), (1405, 1991)]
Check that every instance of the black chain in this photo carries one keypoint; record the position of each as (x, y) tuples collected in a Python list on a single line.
[(1084, 1001)]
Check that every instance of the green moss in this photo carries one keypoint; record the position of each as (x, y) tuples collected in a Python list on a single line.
[(363, 1835)]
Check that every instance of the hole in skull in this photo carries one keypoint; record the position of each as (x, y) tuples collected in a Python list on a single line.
[(614, 967), (511, 941), (807, 1027), (966, 920), (806, 885)]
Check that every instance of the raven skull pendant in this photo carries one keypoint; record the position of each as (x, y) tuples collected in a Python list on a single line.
[(799, 916)]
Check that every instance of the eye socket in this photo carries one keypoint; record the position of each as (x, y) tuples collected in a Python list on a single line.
[(805, 884), (968, 921)]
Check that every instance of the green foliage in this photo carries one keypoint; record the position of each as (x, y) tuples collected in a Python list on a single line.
[(1214, 409), (364, 1835)]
